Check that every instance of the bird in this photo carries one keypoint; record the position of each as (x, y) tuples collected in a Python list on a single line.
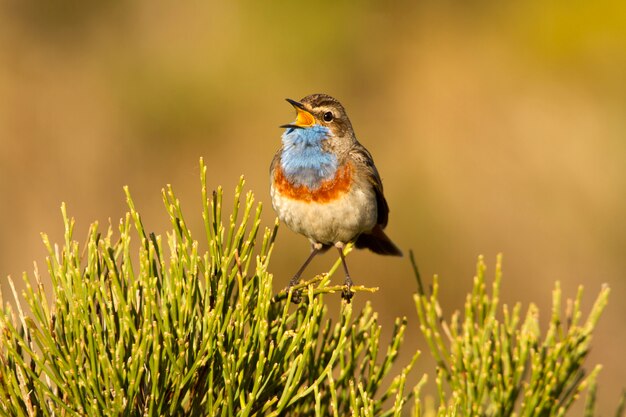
[(324, 185)]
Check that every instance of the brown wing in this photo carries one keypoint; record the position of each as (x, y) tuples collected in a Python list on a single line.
[(362, 157), (375, 240), (275, 161)]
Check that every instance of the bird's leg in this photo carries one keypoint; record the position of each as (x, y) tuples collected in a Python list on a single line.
[(347, 293), (315, 249)]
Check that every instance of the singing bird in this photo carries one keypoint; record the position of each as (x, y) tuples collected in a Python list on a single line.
[(324, 185)]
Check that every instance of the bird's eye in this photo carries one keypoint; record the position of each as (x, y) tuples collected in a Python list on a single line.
[(328, 116)]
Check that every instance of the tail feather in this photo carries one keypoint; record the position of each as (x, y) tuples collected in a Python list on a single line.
[(378, 242)]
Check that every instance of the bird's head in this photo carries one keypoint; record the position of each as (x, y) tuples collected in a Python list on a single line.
[(320, 116)]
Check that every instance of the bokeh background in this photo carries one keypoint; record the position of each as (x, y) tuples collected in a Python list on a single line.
[(497, 127)]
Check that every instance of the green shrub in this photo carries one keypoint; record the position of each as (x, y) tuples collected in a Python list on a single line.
[(141, 325), (503, 367)]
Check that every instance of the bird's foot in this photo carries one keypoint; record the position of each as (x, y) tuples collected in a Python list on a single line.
[(347, 292), (296, 294)]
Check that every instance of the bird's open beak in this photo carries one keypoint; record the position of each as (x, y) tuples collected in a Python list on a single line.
[(303, 117)]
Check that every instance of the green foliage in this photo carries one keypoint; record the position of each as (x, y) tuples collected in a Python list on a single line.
[(187, 333), (501, 367), (180, 330)]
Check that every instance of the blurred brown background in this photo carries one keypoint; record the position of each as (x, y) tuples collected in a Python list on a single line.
[(496, 128)]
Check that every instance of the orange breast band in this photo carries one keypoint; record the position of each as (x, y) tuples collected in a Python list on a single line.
[(328, 190)]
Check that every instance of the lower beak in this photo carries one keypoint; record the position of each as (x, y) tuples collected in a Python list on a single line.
[(303, 117)]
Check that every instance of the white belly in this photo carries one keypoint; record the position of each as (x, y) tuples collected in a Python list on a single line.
[(340, 220)]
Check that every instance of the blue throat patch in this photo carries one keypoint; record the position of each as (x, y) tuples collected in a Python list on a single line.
[(303, 160)]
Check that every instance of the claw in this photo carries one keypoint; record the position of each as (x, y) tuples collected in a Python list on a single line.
[(347, 293), (296, 295)]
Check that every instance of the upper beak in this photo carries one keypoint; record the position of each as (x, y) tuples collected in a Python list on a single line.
[(303, 117)]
